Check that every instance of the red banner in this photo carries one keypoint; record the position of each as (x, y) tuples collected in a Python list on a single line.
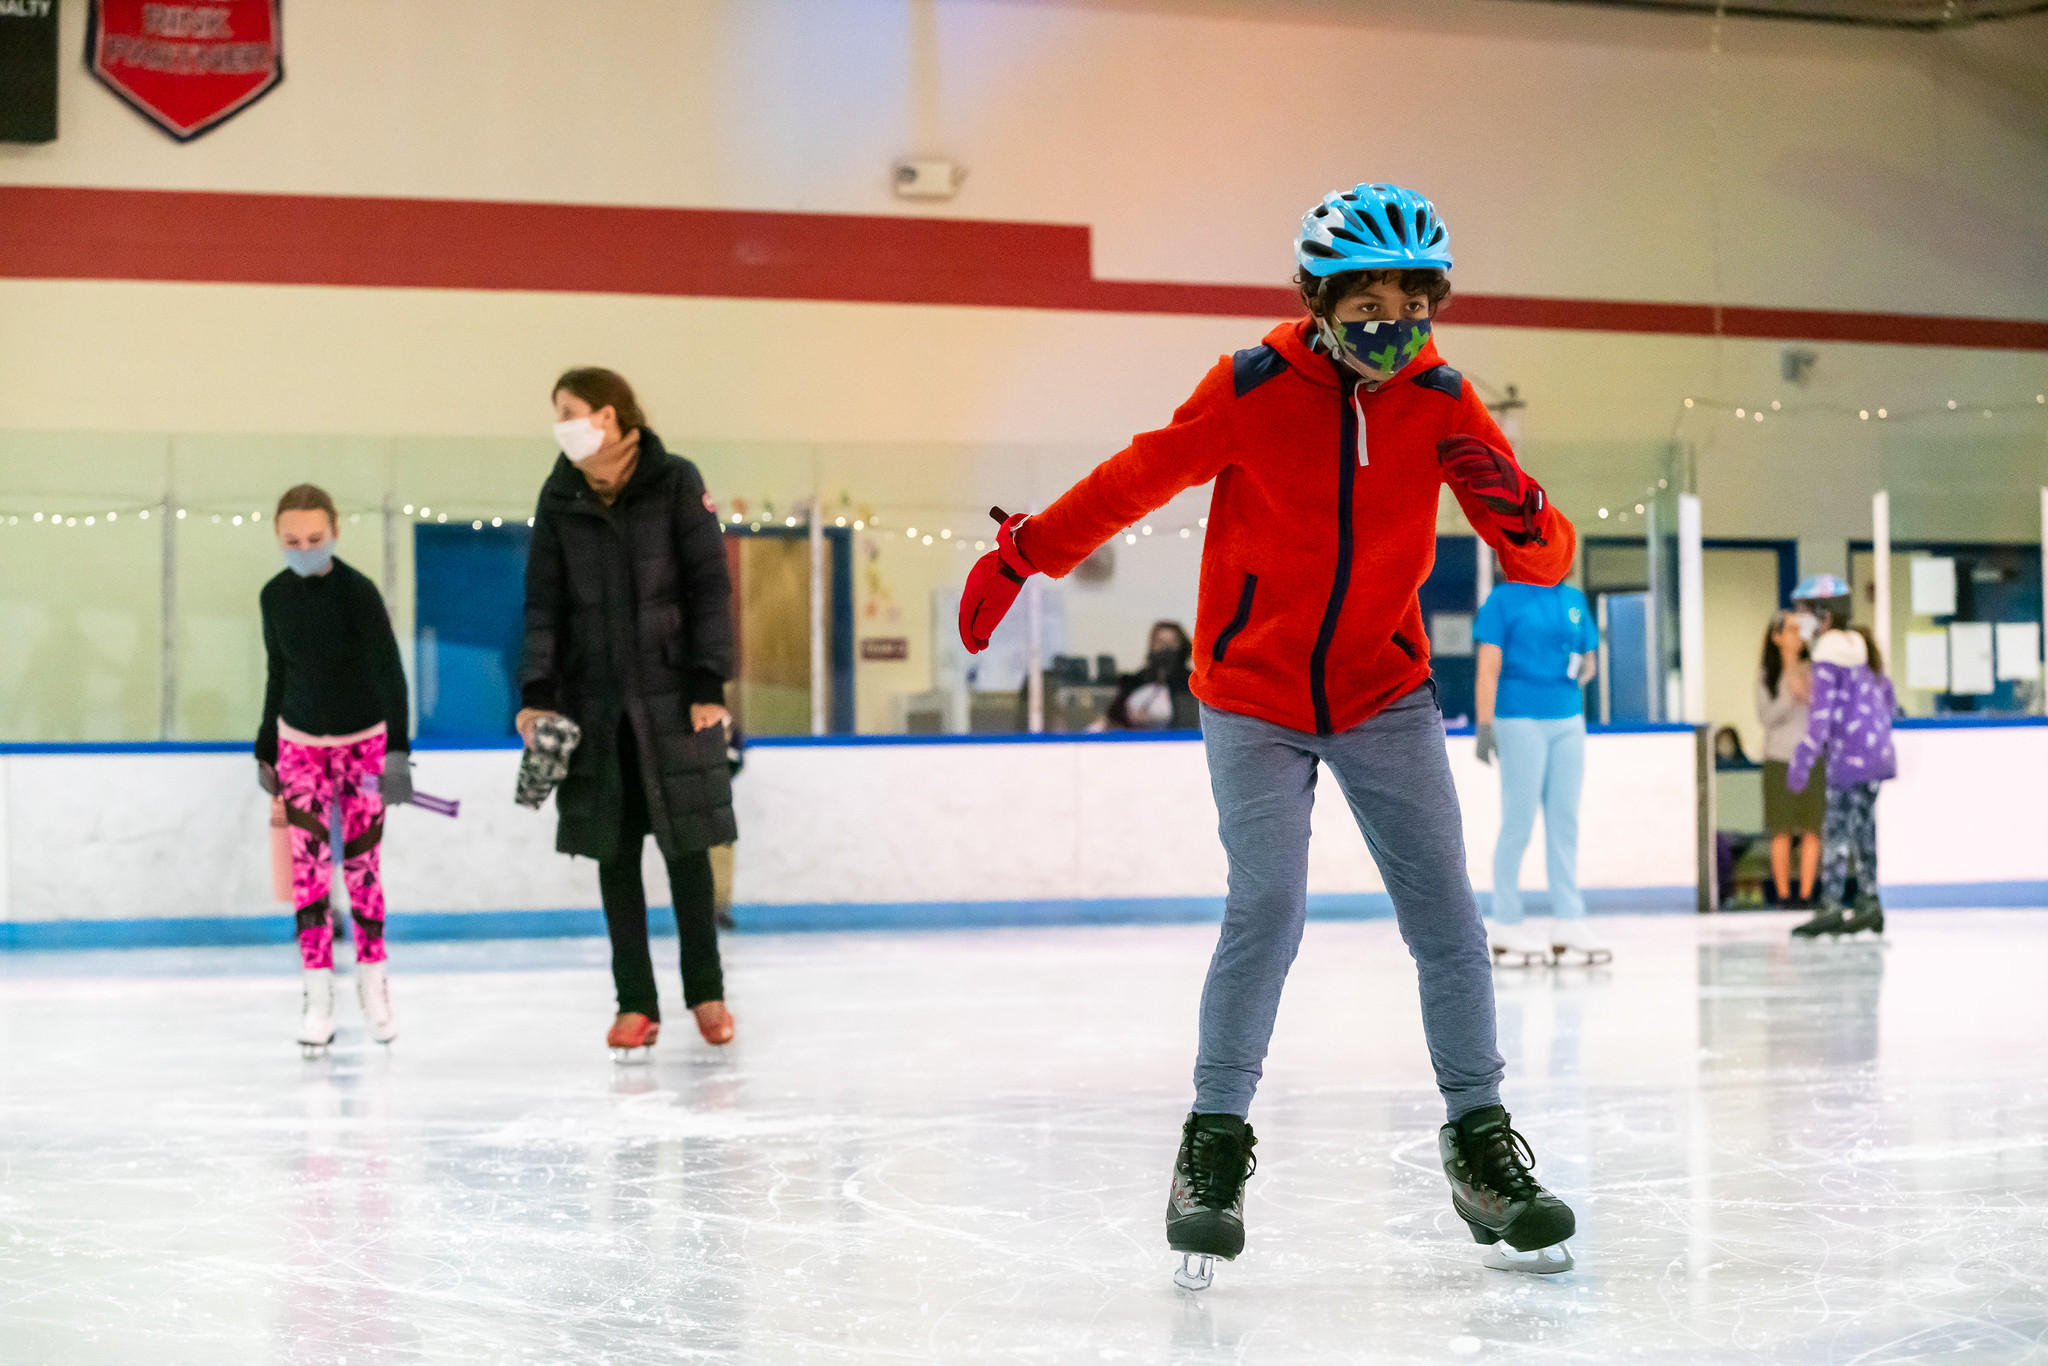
[(188, 68)]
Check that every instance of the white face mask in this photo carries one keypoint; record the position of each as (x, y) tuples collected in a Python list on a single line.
[(1808, 624), (579, 438)]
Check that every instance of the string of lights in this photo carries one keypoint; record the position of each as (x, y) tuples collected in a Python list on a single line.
[(221, 514), (1948, 408), (1752, 414), (1623, 509)]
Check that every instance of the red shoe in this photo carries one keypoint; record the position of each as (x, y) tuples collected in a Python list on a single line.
[(714, 1022), (632, 1033)]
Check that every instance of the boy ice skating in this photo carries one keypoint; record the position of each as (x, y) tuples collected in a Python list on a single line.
[(333, 736), (1328, 444), (1850, 725)]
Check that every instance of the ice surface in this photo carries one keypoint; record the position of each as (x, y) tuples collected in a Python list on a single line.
[(954, 1148)]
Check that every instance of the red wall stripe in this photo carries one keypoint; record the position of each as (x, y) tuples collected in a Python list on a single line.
[(92, 234)]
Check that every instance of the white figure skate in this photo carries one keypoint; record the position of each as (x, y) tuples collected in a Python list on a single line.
[(316, 1019), (373, 990), (1576, 935), (1516, 946)]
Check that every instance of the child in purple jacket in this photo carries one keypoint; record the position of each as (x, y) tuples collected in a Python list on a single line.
[(1850, 724)]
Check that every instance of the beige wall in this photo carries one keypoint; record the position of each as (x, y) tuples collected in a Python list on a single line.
[(1741, 592), (1575, 153)]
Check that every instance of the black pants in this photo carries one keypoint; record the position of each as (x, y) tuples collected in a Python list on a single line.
[(625, 904)]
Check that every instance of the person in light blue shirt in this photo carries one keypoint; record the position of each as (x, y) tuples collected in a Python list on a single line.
[(1538, 648)]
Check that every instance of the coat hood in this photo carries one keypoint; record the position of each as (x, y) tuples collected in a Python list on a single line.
[(1292, 341)]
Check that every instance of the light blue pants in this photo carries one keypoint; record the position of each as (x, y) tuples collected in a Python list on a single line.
[(1395, 774), (1542, 764)]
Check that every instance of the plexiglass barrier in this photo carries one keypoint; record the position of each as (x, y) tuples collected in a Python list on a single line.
[(125, 620), (130, 566)]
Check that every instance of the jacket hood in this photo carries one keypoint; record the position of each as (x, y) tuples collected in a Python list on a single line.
[(1292, 340), (566, 481)]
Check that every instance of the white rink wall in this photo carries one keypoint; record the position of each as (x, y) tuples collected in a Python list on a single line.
[(1080, 828)]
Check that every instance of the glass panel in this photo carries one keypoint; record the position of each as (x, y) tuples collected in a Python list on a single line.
[(81, 570), (912, 519)]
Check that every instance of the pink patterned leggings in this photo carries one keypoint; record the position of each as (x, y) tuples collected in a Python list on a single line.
[(314, 778)]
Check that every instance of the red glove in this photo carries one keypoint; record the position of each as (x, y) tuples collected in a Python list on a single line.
[(1493, 477), (992, 585)]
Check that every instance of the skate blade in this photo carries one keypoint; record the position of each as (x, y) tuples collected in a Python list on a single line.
[(313, 1052), (1591, 959), (633, 1057), (1544, 1261), (1197, 1271)]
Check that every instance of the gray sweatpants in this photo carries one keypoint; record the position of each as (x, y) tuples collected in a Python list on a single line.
[(1395, 773)]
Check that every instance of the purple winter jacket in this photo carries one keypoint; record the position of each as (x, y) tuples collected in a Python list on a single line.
[(1851, 718)]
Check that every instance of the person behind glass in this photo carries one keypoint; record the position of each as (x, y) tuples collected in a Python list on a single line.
[(1536, 652), (1729, 755), (629, 634), (1784, 692), (1157, 697), (333, 739)]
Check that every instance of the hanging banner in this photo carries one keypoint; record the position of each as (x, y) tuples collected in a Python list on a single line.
[(188, 68)]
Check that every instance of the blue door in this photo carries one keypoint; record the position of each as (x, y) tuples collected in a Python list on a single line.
[(469, 599), (1449, 600), (1625, 634)]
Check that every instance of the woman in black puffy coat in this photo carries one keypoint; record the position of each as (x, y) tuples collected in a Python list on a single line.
[(629, 633)]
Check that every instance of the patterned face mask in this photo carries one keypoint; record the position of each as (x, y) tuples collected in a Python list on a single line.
[(1382, 347)]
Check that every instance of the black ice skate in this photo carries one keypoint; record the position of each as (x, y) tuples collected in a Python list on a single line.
[(1831, 918), (1492, 1188), (1867, 915), (1205, 1209)]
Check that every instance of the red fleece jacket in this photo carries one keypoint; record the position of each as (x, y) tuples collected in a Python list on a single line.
[(1316, 544)]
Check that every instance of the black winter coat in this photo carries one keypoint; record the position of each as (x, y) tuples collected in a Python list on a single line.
[(629, 612)]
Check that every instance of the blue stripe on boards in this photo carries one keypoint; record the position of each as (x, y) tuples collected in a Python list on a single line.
[(825, 916), (1126, 737), (1949, 895)]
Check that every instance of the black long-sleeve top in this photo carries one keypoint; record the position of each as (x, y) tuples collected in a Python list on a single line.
[(334, 665)]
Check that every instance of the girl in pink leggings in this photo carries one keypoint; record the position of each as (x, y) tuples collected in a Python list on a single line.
[(333, 741)]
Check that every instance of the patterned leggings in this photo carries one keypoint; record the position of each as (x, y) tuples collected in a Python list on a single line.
[(315, 778), (1849, 826)]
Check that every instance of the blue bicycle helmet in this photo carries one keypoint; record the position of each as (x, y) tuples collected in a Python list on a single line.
[(1819, 588), (1372, 227)]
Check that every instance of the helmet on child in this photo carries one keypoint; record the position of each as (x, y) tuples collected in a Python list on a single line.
[(1819, 588), (1826, 592), (1372, 227)]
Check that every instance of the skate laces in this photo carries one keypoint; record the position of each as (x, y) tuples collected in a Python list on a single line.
[(1218, 1167), (1504, 1160)]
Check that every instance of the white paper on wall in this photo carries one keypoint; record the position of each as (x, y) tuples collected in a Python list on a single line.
[(1927, 660), (1450, 633), (1934, 587), (2019, 649), (1969, 657)]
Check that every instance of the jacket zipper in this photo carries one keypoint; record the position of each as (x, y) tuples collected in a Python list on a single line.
[(1351, 427), (1237, 623)]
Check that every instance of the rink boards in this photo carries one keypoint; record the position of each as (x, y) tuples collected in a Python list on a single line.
[(168, 843)]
